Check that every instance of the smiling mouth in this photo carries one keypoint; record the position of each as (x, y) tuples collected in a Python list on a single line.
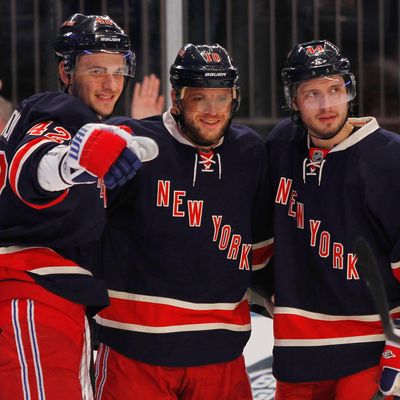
[(102, 97), (210, 122)]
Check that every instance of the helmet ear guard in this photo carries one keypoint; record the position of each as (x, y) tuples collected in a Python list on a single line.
[(236, 100), (310, 60)]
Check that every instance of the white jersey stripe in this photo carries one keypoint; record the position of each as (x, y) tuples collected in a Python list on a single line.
[(16, 249), (328, 342), (395, 265), (35, 350), (103, 366), (264, 243), (173, 302), (20, 349), (60, 270), (256, 267), (84, 374), (326, 317), (172, 328), (96, 365)]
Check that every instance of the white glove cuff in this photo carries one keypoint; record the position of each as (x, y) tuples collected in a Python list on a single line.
[(49, 171), (55, 173), (145, 148)]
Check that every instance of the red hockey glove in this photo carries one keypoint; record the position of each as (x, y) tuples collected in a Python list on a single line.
[(94, 150), (390, 362), (125, 168), (145, 148)]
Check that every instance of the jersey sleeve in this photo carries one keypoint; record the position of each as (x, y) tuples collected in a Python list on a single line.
[(41, 123), (262, 248), (384, 212), (379, 175)]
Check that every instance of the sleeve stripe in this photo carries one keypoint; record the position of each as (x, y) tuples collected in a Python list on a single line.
[(17, 164), (395, 265), (261, 253)]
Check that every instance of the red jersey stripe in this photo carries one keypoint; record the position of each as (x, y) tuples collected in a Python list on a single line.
[(155, 314), (40, 260), (15, 169), (396, 270), (261, 253), (293, 325)]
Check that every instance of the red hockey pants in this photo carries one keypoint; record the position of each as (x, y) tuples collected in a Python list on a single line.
[(119, 377), (361, 386), (43, 351)]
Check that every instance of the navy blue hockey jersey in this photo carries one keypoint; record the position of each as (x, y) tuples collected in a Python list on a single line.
[(45, 237), (325, 323), (179, 248)]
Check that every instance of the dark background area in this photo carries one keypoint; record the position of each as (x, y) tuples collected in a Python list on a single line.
[(257, 33)]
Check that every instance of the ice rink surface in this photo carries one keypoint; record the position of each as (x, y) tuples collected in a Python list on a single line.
[(258, 356)]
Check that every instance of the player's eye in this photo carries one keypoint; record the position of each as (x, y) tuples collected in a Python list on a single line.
[(198, 99), (311, 94), (96, 71), (221, 99)]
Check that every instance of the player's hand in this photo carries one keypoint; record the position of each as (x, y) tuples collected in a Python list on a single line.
[(146, 99), (94, 151), (124, 168), (139, 149), (390, 362)]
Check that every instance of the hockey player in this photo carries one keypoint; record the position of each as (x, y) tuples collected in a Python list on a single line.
[(181, 241), (334, 178), (52, 152)]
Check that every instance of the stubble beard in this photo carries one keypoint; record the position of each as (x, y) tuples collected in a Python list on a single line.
[(327, 135), (195, 135)]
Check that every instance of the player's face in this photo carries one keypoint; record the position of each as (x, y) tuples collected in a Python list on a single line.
[(98, 80), (206, 114), (323, 105)]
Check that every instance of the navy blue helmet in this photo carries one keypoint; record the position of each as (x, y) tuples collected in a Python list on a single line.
[(205, 66), (317, 58), (83, 34)]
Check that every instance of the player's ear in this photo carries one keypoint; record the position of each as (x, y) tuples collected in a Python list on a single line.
[(294, 104), (174, 107), (64, 76)]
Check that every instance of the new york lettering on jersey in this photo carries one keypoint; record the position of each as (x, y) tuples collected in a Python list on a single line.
[(194, 201), (324, 333)]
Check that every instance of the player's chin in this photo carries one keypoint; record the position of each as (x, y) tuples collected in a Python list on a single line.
[(215, 129), (326, 134), (104, 110), (212, 139)]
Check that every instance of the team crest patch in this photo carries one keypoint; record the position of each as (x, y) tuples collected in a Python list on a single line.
[(388, 354)]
